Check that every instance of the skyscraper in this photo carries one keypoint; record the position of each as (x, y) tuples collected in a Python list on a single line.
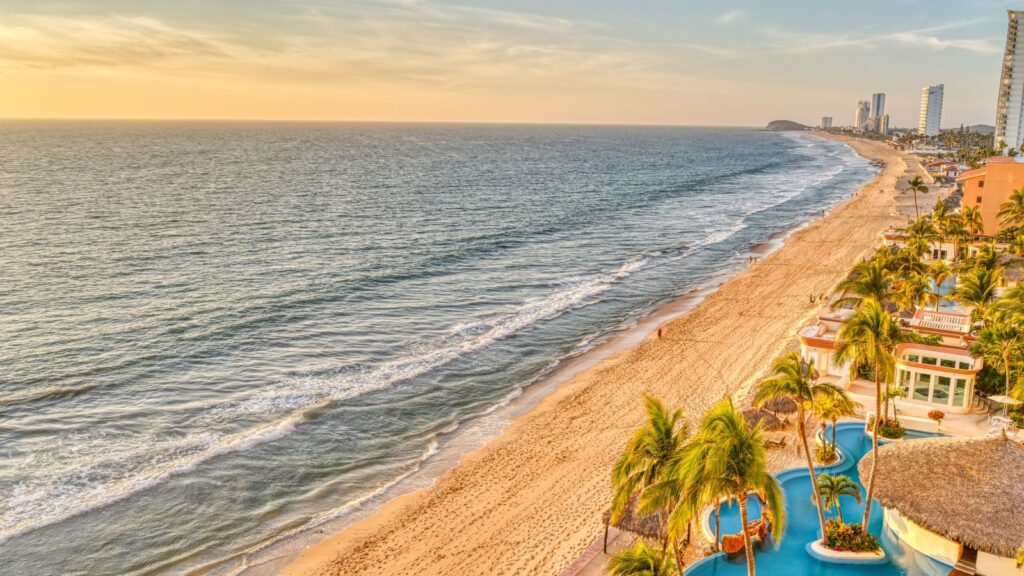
[(1010, 106), (826, 122), (861, 117), (930, 119), (877, 105)]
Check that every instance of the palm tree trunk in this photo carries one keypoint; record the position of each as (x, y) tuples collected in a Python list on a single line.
[(874, 451), (810, 470), (679, 557), (916, 213), (839, 508), (747, 545), (1006, 370), (718, 524), (834, 421)]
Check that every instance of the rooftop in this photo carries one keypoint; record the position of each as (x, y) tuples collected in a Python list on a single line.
[(966, 489), (939, 321)]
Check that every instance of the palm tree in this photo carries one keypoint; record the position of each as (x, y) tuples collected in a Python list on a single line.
[(647, 455), (921, 236), (917, 186), (732, 452), (831, 410), (832, 487), (971, 216), (912, 291), (939, 214), (978, 288), (1000, 343), (1017, 245), (986, 258), (641, 561), (868, 338), (939, 273), (891, 394), (796, 379), (953, 228), (1011, 212), (869, 280)]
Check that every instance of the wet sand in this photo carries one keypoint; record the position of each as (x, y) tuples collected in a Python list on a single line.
[(530, 501)]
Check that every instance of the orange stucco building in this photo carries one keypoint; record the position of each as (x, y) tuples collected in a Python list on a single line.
[(990, 186)]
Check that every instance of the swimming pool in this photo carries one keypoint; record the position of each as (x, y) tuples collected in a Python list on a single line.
[(791, 557)]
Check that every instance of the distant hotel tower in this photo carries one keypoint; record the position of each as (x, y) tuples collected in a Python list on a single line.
[(1010, 108), (861, 117), (931, 110), (826, 122), (877, 105)]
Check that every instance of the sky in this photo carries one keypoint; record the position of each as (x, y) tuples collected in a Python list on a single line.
[(598, 61)]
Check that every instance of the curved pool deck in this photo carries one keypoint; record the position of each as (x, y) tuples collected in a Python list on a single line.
[(791, 557)]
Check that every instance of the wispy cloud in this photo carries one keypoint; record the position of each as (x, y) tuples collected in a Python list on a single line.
[(791, 42), (730, 16)]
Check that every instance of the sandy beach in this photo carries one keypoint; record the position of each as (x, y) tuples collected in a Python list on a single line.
[(531, 500)]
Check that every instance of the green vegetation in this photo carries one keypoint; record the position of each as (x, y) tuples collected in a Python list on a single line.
[(641, 561), (834, 486), (850, 538), (797, 380)]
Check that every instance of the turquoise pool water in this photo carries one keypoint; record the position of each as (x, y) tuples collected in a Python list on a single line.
[(791, 557)]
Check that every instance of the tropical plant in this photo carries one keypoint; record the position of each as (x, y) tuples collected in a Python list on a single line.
[(733, 453), (641, 561), (1000, 344), (921, 234), (939, 273), (1011, 212), (831, 409), (986, 258), (797, 380), (912, 291), (977, 288), (851, 537), (891, 394), (832, 487), (825, 454), (647, 455), (869, 338), (971, 217), (953, 229), (917, 187), (869, 280)]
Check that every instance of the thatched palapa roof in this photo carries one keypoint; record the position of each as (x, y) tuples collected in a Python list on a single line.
[(966, 489), (768, 420), (782, 404), (649, 526)]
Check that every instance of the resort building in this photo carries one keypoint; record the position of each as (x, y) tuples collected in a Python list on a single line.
[(1010, 105), (940, 377), (826, 122), (940, 249), (861, 116), (990, 186), (930, 117), (959, 501)]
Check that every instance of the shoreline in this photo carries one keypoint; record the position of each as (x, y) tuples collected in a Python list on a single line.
[(383, 538)]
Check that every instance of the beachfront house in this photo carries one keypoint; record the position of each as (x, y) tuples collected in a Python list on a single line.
[(959, 501), (939, 249)]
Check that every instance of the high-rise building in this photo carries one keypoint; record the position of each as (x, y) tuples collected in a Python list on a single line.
[(826, 122), (877, 105), (882, 124), (861, 117), (930, 119), (1010, 106)]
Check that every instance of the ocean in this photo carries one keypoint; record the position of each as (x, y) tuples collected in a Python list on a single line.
[(216, 336)]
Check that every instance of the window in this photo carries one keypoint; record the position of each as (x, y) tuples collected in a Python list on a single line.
[(965, 366), (979, 199), (913, 358), (960, 392), (929, 361), (947, 363), (941, 393), (981, 183), (904, 381), (921, 387)]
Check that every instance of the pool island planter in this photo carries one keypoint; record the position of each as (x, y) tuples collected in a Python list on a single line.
[(819, 552)]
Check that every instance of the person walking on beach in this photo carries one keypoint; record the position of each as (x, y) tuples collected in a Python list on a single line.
[(659, 332)]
